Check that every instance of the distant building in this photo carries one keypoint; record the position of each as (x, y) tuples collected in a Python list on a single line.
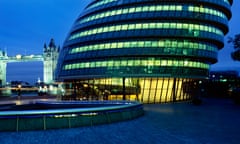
[(50, 57), (3, 66), (221, 84), (146, 50), (224, 76)]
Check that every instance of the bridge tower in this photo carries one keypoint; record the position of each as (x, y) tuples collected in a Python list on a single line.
[(3, 67), (50, 58)]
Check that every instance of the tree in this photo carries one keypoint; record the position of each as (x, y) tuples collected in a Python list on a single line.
[(236, 45)]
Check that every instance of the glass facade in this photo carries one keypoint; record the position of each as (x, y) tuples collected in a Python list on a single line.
[(144, 50)]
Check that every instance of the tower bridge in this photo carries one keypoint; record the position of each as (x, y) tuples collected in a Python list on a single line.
[(21, 58), (49, 59)]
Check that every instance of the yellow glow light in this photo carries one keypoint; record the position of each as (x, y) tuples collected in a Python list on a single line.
[(18, 56)]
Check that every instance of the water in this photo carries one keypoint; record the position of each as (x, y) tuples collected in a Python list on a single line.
[(216, 121)]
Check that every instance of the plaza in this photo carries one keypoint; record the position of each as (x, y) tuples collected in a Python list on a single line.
[(215, 121)]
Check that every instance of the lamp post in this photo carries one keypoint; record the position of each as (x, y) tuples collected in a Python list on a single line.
[(19, 91)]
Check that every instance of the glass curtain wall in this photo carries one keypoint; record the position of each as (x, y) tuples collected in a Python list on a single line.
[(146, 90)]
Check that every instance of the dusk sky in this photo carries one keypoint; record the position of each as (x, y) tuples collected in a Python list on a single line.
[(27, 24)]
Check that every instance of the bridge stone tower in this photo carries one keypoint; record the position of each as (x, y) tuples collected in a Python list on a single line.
[(50, 58), (3, 66)]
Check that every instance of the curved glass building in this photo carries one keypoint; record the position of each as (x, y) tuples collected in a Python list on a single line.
[(146, 50)]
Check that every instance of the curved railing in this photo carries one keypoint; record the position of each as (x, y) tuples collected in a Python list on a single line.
[(54, 115)]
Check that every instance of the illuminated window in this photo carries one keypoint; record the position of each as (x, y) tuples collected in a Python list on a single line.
[(206, 11), (131, 10), (138, 26), (143, 62), (173, 44), (191, 27), (99, 3)]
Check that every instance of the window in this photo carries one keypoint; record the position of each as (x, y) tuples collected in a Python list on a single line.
[(161, 43), (172, 45)]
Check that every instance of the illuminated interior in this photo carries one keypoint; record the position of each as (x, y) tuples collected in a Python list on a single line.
[(161, 90), (146, 90)]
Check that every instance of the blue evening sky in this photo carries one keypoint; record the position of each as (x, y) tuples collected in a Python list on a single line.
[(27, 24)]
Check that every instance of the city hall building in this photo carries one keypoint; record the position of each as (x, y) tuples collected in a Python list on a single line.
[(153, 51)]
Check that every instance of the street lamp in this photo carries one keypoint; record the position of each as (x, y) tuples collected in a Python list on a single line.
[(19, 90)]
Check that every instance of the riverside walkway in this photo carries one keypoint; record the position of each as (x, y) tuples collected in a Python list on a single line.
[(24, 99)]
